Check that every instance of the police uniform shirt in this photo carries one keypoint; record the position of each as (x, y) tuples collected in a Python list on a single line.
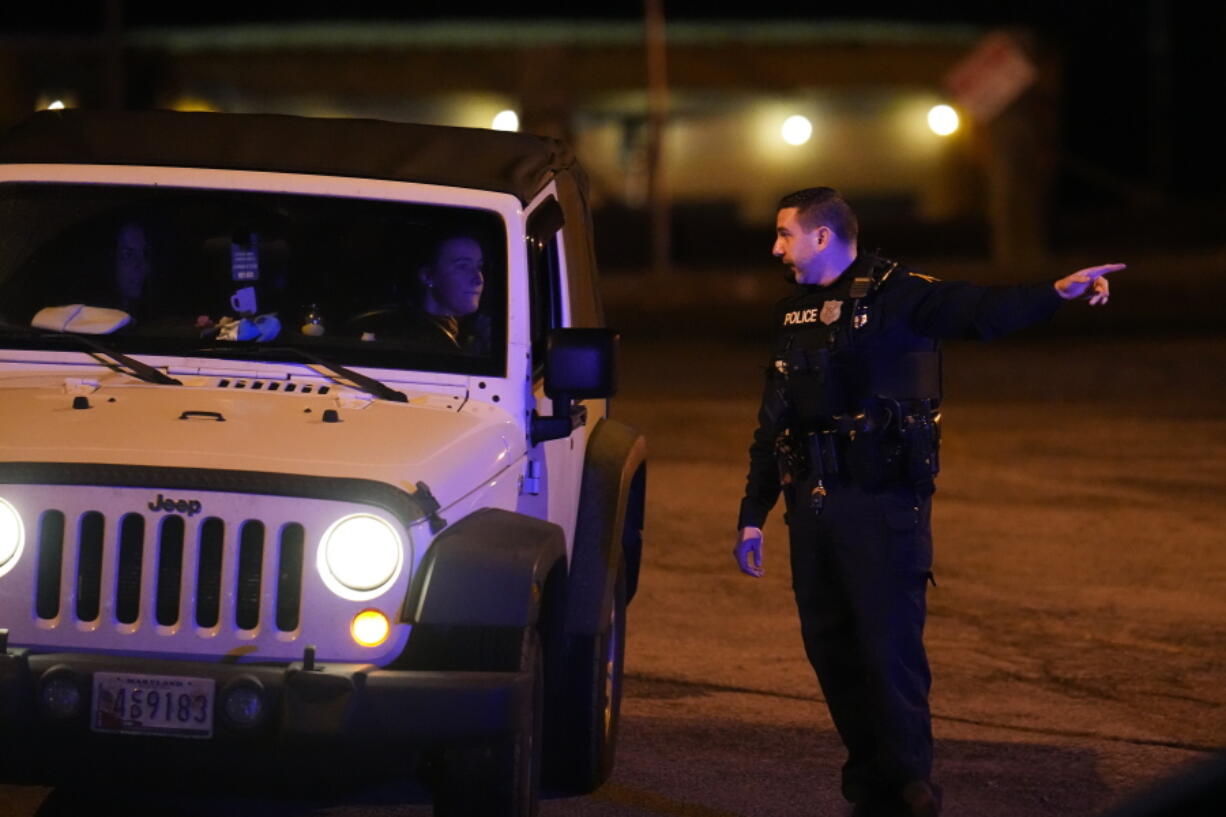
[(861, 346)]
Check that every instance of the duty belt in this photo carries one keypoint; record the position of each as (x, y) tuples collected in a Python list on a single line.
[(890, 442)]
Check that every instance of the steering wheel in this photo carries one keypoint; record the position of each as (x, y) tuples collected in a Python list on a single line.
[(391, 319), (400, 324)]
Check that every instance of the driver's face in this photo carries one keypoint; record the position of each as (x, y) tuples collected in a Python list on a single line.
[(456, 279)]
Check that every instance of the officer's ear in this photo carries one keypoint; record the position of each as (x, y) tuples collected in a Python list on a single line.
[(821, 237)]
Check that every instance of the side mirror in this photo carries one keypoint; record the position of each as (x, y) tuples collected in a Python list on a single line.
[(580, 364)]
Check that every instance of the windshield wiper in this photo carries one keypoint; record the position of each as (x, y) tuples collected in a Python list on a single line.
[(134, 367), (334, 371)]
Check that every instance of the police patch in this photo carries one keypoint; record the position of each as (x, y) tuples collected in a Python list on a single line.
[(799, 316), (831, 311)]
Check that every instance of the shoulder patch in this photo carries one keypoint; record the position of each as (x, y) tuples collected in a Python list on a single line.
[(930, 279)]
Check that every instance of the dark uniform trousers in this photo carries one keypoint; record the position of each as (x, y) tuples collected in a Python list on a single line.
[(859, 571)]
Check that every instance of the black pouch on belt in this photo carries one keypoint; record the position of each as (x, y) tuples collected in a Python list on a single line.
[(922, 435), (791, 457), (874, 448), (870, 460), (824, 456)]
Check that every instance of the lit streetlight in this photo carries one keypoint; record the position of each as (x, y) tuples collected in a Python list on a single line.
[(506, 120), (56, 99), (943, 120), (796, 130)]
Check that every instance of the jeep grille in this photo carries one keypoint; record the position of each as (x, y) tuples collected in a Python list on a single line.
[(186, 572), (190, 551)]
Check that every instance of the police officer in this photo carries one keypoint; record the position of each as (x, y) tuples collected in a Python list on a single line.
[(848, 431)]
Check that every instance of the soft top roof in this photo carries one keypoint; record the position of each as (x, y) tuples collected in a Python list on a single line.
[(515, 163)]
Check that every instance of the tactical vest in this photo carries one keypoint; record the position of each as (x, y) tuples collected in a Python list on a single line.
[(863, 407), (865, 363)]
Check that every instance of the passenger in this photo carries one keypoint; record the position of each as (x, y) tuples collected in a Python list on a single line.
[(132, 268)]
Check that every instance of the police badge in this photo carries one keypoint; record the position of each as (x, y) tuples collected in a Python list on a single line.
[(831, 311)]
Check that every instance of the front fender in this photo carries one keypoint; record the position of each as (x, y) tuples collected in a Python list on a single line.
[(614, 466), (487, 570)]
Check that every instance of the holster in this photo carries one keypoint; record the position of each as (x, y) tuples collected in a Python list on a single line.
[(921, 435)]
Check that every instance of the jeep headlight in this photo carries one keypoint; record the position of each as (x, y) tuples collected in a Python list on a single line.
[(12, 535), (360, 554)]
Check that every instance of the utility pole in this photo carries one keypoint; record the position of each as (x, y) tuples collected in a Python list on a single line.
[(113, 77), (657, 118)]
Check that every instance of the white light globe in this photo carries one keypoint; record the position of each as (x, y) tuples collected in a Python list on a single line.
[(943, 120), (506, 120), (56, 105), (12, 533), (361, 552), (796, 130)]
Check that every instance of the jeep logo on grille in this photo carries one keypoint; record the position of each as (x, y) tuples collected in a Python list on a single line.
[(191, 507)]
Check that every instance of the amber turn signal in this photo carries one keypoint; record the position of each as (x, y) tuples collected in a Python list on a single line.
[(370, 628)]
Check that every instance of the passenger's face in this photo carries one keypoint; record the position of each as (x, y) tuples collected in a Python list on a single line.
[(798, 248), (456, 278), (131, 261)]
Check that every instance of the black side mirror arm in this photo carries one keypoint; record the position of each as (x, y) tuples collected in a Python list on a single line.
[(566, 418)]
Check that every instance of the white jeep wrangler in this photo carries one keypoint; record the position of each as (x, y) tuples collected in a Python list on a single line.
[(306, 468)]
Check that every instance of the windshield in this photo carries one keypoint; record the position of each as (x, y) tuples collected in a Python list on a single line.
[(179, 271)]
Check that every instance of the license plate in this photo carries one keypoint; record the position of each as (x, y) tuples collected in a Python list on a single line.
[(153, 705)]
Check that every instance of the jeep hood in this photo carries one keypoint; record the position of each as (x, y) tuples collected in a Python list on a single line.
[(452, 446)]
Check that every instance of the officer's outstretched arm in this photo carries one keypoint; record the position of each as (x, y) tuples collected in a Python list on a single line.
[(748, 551), (1091, 280)]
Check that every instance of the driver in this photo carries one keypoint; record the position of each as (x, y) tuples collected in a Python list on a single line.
[(449, 286)]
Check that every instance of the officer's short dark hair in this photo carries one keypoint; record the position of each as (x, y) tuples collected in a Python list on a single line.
[(817, 206)]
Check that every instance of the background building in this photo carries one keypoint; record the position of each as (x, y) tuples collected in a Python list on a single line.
[(1094, 144)]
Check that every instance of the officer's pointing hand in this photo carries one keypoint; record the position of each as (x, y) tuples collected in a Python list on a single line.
[(748, 551), (1089, 280)]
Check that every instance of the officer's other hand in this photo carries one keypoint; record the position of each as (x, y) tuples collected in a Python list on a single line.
[(748, 551), (1091, 280)]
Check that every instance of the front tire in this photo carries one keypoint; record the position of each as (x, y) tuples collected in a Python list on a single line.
[(591, 704), (502, 776)]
